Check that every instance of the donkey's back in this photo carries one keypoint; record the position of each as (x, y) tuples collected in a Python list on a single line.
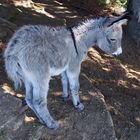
[(39, 38), (38, 47)]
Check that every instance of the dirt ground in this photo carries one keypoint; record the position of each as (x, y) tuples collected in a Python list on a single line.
[(116, 78)]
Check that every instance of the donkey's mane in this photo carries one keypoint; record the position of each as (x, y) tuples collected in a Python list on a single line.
[(78, 28), (89, 24), (81, 26)]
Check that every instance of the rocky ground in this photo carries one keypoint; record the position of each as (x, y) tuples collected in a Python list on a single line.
[(110, 87)]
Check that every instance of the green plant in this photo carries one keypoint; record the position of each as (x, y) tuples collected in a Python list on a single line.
[(113, 2), (104, 2), (2, 134), (122, 2)]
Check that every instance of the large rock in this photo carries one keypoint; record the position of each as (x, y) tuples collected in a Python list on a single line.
[(94, 123), (132, 133), (6, 28), (134, 22), (8, 108), (6, 31), (134, 29)]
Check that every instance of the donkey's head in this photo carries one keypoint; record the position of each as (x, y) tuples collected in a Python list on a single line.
[(109, 39)]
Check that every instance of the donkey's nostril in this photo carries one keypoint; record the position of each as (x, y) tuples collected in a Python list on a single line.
[(113, 40)]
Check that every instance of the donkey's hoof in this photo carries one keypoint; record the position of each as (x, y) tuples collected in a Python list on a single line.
[(80, 107), (65, 99), (53, 125), (41, 121), (24, 103)]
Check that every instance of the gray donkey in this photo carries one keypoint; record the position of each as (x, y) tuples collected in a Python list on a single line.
[(35, 53)]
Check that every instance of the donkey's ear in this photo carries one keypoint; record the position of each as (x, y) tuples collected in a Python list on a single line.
[(120, 19), (122, 22)]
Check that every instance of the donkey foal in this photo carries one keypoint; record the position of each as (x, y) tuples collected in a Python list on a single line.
[(35, 53)]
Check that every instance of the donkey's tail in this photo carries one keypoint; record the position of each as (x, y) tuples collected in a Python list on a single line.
[(13, 68)]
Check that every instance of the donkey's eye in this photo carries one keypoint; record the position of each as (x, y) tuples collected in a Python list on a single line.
[(113, 40)]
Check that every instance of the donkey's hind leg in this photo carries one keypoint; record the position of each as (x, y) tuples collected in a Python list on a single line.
[(29, 98), (40, 92), (64, 81), (29, 94), (73, 78)]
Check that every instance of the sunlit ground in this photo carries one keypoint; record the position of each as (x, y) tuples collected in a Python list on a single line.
[(38, 7), (50, 9), (130, 72), (7, 89)]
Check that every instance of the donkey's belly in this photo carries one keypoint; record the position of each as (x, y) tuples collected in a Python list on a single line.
[(56, 71)]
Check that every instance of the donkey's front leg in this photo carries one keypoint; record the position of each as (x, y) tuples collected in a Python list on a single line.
[(73, 78), (64, 81)]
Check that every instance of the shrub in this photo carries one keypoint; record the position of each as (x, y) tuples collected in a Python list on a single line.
[(113, 2)]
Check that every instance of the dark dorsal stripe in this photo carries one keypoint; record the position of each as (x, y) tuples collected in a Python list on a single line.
[(73, 38)]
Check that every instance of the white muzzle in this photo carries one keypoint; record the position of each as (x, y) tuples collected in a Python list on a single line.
[(119, 51)]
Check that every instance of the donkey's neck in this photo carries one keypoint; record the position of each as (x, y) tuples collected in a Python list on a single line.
[(87, 32)]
